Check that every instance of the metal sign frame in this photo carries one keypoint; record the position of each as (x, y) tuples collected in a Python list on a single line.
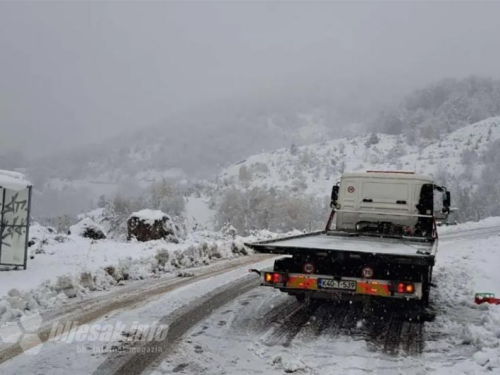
[(3, 226)]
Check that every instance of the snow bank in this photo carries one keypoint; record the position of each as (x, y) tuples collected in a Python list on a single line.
[(470, 225), (462, 329), (65, 267), (13, 180), (288, 364)]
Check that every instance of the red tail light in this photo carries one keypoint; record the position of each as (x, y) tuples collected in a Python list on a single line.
[(275, 278), (407, 288), (401, 288)]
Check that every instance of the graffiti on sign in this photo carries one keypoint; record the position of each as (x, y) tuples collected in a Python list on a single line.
[(13, 225), (16, 204), (9, 231)]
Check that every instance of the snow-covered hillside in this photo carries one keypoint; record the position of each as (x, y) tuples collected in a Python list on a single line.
[(315, 168), (310, 169)]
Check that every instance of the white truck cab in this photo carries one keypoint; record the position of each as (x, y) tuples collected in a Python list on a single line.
[(400, 202)]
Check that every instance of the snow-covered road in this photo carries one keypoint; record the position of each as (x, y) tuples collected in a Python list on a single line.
[(265, 331), (138, 304), (222, 323)]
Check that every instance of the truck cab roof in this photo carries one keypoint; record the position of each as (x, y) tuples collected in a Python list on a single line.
[(389, 175)]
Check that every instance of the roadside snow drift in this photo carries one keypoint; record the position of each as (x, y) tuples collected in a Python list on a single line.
[(69, 266)]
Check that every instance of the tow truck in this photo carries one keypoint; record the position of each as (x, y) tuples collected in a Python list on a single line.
[(380, 241)]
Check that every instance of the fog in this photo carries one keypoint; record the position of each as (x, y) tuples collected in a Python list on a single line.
[(72, 73)]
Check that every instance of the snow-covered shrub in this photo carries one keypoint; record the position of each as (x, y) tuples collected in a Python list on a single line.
[(372, 140), (162, 256), (88, 229), (196, 255), (87, 281), (66, 285), (260, 169), (214, 252), (278, 211), (229, 231), (245, 175), (103, 281), (165, 196), (238, 248)]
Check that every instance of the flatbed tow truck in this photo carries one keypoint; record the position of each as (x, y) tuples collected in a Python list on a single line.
[(383, 242)]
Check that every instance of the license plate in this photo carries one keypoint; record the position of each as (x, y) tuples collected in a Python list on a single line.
[(337, 284)]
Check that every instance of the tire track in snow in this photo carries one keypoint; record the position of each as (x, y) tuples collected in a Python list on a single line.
[(291, 328), (128, 297), (385, 328), (148, 356)]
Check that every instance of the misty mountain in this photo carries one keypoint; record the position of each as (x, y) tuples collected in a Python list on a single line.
[(442, 107), (198, 144), (192, 145)]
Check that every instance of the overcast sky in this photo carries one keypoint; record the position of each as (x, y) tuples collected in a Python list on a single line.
[(73, 72)]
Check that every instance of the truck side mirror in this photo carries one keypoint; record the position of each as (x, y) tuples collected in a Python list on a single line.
[(446, 202), (447, 199), (335, 195)]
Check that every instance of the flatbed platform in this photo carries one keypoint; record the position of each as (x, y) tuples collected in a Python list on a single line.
[(342, 241)]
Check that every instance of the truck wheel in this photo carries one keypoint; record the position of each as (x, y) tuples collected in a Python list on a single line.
[(426, 288), (425, 298), (300, 297), (425, 294)]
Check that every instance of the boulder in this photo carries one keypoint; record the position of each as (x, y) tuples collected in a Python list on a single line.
[(148, 225)]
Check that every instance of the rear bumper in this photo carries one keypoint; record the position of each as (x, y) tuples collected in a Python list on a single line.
[(309, 284)]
